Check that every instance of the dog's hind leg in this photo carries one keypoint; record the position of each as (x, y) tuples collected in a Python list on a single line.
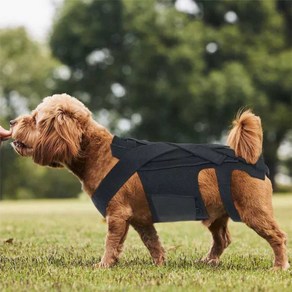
[(150, 238), (117, 232), (221, 239), (254, 203), (266, 226)]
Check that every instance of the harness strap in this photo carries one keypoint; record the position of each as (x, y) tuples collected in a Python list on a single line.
[(129, 163), (203, 152), (224, 182)]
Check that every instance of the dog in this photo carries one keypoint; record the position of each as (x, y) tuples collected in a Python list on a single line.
[(61, 132)]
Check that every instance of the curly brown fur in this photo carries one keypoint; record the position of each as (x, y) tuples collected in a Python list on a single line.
[(246, 136), (61, 132)]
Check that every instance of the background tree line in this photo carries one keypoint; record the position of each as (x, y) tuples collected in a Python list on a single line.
[(148, 70)]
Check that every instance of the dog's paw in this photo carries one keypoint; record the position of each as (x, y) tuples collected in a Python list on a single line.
[(285, 267), (210, 261), (102, 265), (160, 260)]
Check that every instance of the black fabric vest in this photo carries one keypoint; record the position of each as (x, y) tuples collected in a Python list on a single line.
[(169, 174)]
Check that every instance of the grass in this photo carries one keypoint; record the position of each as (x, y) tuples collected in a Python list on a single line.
[(55, 243)]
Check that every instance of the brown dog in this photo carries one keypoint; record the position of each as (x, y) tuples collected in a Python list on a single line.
[(61, 132)]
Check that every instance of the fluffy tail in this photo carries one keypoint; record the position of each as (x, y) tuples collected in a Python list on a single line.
[(246, 136)]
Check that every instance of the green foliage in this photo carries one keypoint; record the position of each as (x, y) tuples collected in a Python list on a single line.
[(185, 76), (168, 75), (97, 26), (56, 243), (26, 76), (26, 69), (23, 179)]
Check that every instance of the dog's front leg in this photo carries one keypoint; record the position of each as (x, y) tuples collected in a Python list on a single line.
[(117, 232)]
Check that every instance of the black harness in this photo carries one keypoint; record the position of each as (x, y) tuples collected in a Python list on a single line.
[(169, 174)]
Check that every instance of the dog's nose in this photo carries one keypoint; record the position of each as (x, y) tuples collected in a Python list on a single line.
[(12, 123)]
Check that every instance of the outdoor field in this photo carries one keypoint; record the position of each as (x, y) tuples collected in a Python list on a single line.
[(52, 246)]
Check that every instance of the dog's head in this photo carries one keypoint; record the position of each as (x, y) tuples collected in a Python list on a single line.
[(52, 134)]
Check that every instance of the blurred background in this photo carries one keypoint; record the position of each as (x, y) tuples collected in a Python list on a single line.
[(174, 70)]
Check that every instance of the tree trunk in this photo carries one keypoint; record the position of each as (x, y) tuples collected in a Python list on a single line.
[(271, 162), (271, 146)]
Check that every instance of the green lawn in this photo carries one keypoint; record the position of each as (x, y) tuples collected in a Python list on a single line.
[(55, 243)]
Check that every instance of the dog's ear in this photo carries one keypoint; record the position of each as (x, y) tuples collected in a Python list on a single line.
[(59, 141)]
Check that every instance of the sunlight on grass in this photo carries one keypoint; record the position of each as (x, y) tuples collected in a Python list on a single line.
[(56, 242)]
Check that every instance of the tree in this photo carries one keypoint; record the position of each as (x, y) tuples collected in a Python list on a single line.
[(26, 70), (180, 77), (97, 34), (260, 43), (25, 78)]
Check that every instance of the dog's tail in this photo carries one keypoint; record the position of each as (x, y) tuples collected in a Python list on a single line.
[(246, 136)]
